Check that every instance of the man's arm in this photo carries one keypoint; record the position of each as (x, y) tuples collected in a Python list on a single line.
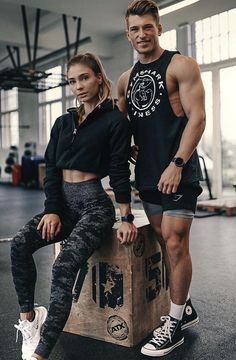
[(191, 92), (121, 91), (192, 97)]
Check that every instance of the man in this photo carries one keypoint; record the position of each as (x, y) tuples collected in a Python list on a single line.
[(164, 98)]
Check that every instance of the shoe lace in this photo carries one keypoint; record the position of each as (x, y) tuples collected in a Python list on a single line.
[(25, 328), (165, 331)]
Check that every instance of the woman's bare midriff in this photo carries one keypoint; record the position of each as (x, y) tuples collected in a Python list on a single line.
[(75, 176)]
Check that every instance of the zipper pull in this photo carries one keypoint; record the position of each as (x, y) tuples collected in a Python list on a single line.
[(73, 137)]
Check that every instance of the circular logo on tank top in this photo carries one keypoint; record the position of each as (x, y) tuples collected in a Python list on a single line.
[(144, 93)]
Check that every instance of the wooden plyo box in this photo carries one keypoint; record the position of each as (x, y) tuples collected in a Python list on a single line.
[(124, 293)]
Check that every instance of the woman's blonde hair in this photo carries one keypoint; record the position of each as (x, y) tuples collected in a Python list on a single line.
[(94, 63)]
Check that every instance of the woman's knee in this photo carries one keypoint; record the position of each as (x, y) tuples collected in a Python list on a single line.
[(26, 234), (19, 240)]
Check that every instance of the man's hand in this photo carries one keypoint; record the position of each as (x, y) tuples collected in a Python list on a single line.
[(50, 226), (127, 233), (170, 179), (134, 154)]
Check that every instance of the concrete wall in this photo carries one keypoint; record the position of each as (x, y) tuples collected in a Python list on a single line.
[(121, 59), (28, 119)]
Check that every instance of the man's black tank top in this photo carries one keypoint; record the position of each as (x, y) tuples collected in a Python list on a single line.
[(157, 130)]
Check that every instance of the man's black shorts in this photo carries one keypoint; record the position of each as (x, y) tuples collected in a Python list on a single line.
[(185, 197)]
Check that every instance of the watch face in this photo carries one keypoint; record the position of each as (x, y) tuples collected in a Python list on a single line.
[(129, 218), (179, 161)]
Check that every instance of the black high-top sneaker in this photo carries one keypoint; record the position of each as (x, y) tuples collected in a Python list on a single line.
[(167, 339), (190, 317)]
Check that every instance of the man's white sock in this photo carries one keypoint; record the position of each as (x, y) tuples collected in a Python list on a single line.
[(176, 311)]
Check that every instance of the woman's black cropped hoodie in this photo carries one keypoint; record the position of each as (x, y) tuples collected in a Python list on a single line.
[(100, 144)]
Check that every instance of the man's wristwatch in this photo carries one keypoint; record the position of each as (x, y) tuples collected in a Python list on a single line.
[(178, 161), (128, 218)]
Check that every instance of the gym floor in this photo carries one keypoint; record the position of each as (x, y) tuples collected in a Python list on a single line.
[(213, 289)]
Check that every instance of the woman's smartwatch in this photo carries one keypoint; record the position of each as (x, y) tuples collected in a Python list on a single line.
[(128, 218)]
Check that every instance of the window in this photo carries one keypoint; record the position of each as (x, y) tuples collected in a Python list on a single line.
[(205, 145), (168, 40), (50, 108), (215, 37), (206, 142), (228, 127), (216, 53), (51, 94), (9, 130), (48, 113)]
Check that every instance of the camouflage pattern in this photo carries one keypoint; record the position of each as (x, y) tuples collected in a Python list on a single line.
[(88, 217)]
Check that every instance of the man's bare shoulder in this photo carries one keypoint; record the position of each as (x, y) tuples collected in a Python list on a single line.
[(182, 66), (124, 78)]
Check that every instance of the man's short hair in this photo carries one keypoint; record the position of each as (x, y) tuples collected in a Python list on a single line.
[(143, 7)]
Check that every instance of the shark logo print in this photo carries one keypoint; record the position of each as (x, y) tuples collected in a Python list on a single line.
[(145, 92)]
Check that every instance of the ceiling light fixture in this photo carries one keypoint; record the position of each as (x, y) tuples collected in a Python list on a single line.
[(177, 6)]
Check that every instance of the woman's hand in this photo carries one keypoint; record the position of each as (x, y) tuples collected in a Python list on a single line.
[(127, 233), (50, 226)]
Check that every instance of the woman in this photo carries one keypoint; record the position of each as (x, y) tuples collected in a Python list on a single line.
[(86, 144)]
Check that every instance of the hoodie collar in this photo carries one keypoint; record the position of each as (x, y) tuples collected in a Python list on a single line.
[(105, 106)]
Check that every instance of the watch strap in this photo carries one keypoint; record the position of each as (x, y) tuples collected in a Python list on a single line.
[(127, 218)]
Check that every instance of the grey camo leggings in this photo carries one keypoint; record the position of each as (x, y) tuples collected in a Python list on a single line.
[(88, 217)]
